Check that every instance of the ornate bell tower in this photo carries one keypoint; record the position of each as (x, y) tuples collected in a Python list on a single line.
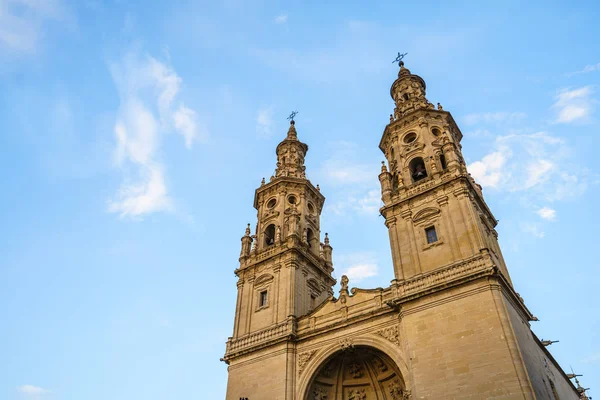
[(427, 173), (285, 272)]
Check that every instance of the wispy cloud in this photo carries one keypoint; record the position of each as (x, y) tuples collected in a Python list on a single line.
[(281, 19), (533, 230), (547, 213), (32, 391), (366, 204), (147, 90), (588, 68), (343, 167), (358, 265), (524, 162), (21, 22), (264, 121), (573, 105), (493, 117)]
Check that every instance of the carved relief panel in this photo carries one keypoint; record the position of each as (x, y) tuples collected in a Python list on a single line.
[(358, 373)]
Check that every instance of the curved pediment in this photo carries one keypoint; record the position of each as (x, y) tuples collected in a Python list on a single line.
[(314, 285), (425, 214), (263, 279)]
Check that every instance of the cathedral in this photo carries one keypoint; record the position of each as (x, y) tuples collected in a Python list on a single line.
[(449, 326)]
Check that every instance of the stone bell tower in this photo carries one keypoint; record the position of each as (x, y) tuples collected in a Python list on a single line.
[(433, 209), (285, 272)]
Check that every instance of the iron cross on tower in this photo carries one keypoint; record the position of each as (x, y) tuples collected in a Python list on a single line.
[(292, 115), (399, 59)]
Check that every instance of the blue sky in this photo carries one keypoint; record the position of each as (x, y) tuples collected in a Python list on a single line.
[(133, 135)]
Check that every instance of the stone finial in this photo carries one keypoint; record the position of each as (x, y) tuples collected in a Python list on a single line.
[(262, 182), (391, 118), (318, 188), (248, 230), (326, 239), (292, 134), (383, 167), (344, 284), (439, 107)]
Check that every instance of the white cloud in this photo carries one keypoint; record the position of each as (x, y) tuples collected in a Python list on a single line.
[(185, 123), (358, 266), (281, 19), (32, 391), (493, 117), (573, 105), (523, 162), (264, 121), (21, 22), (368, 203), (488, 171), (534, 230), (147, 90), (537, 172), (359, 272), (342, 167), (586, 69), (547, 213)]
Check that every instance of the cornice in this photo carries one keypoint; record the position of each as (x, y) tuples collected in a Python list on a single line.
[(283, 180)]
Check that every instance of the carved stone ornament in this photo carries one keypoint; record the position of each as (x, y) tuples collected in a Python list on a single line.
[(397, 392), (355, 370), (304, 358), (320, 394), (346, 344), (390, 333), (357, 394)]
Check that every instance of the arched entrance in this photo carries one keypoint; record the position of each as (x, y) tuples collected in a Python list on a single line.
[(359, 373)]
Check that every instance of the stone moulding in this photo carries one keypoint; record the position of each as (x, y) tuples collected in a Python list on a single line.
[(259, 339)]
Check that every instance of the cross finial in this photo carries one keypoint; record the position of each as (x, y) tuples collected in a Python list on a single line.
[(292, 115), (399, 59)]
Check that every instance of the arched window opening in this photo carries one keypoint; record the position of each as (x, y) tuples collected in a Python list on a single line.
[(417, 169), (392, 155), (270, 235), (405, 96), (443, 161), (310, 236), (435, 131)]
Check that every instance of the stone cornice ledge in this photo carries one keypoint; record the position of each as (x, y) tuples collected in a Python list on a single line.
[(453, 275)]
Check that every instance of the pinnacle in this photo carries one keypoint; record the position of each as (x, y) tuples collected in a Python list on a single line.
[(292, 134)]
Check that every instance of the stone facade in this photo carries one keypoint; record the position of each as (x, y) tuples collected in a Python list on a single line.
[(449, 326)]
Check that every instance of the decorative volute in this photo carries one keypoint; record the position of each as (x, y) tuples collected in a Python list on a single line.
[(408, 92), (290, 155)]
